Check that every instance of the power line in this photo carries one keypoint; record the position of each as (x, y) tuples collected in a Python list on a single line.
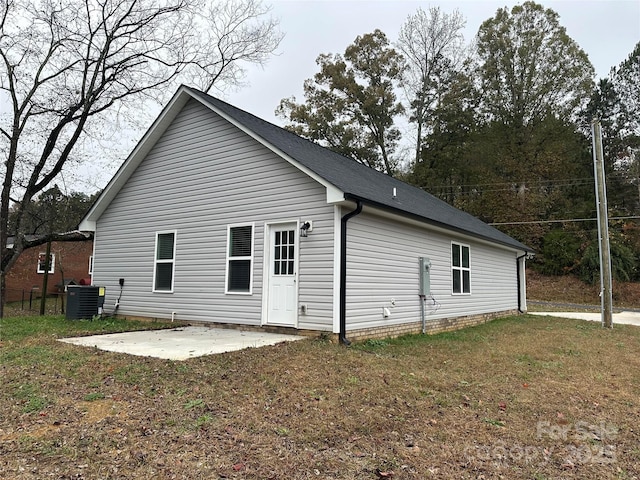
[(531, 182), (544, 182), (568, 220), (512, 189)]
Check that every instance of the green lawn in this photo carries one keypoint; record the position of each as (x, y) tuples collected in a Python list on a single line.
[(524, 398)]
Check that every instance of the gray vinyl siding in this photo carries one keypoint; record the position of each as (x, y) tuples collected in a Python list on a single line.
[(202, 175), (382, 266)]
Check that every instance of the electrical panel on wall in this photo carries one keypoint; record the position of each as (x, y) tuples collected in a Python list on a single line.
[(425, 275)]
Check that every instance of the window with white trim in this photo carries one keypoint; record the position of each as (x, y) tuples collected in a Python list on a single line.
[(460, 269), (164, 263), (239, 276), (42, 262), (90, 264)]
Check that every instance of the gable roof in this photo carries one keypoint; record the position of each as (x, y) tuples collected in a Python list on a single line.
[(354, 180)]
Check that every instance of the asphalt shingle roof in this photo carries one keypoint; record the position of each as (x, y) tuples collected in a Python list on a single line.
[(358, 181)]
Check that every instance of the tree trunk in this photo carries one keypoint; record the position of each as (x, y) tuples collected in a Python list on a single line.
[(63, 287), (3, 289), (45, 279)]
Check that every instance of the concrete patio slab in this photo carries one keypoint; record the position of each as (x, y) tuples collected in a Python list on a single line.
[(181, 343), (622, 318)]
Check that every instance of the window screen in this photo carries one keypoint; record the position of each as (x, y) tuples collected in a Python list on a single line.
[(164, 262), (240, 259)]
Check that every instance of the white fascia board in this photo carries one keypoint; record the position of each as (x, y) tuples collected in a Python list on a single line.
[(87, 225), (146, 143), (334, 194)]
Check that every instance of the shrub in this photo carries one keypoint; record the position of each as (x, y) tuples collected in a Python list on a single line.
[(623, 263), (559, 252)]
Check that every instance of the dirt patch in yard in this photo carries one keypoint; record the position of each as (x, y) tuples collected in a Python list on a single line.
[(570, 289)]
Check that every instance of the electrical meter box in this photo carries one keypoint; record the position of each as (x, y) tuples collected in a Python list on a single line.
[(84, 302), (425, 275)]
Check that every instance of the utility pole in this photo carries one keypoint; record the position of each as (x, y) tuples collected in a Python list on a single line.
[(606, 295)]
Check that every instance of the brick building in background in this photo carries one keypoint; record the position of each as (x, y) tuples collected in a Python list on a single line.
[(70, 262)]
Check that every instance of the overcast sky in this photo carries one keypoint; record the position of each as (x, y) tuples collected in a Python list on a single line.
[(607, 30)]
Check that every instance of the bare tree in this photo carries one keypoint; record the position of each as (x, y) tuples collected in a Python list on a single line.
[(433, 47), (65, 65)]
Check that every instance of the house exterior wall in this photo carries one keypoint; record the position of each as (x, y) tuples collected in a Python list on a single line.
[(383, 272), (201, 176), (71, 261)]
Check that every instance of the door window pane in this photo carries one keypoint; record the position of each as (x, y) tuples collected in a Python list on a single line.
[(284, 253)]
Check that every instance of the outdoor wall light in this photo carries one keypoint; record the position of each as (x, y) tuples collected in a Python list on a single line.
[(305, 228)]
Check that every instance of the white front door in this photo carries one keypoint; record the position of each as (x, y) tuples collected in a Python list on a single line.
[(283, 273)]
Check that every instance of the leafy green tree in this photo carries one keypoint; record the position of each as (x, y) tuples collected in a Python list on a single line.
[(626, 83), (350, 104), (547, 177), (530, 68), (625, 149), (530, 160), (479, 167), (559, 251), (626, 78), (53, 212), (630, 232), (623, 262), (607, 107)]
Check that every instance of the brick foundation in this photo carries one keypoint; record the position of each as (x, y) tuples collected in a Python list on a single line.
[(434, 326)]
